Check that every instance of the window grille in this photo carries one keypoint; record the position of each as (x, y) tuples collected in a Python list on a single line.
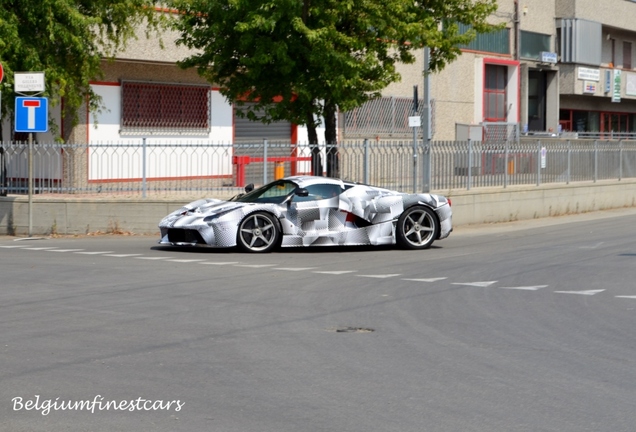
[(165, 108), (382, 117)]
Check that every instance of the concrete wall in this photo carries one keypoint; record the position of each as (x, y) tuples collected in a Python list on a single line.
[(478, 206)]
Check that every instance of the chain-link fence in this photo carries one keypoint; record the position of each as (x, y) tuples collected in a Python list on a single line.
[(213, 169)]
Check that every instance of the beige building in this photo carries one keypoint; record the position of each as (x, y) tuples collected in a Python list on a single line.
[(559, 65)]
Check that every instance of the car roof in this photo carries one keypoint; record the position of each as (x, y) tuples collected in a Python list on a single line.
[(304, 181)]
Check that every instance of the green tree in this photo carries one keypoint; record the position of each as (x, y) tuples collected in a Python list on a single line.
[(315, 57), (67, 40)]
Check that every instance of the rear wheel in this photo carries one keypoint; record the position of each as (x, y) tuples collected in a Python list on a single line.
[(258, 232), (417, 228)]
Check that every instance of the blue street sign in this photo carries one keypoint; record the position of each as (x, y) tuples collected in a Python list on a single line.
[(31, 114)]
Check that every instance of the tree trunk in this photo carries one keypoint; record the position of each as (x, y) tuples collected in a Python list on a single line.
[(316, 159), (331, 138)]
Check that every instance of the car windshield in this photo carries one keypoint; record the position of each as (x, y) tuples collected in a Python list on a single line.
[(274, 193)]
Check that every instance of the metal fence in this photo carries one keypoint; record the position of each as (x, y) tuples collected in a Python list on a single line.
[(212, 169)]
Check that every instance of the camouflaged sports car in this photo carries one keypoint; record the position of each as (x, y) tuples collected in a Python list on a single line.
[(310, 211)]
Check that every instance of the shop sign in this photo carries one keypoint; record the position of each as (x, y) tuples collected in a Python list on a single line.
[(589, 74), (549, 57), (616, 86), (589, 87)]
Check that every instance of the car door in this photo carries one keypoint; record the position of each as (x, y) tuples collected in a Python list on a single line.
[(317, 215)]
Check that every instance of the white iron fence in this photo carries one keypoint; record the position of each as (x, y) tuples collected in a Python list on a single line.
[(211, 168)]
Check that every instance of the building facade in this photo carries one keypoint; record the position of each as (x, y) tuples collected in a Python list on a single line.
[(558, 66)]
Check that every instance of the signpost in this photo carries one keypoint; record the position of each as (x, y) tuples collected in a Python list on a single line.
[(415, 122), (31, 115), (1, 78)]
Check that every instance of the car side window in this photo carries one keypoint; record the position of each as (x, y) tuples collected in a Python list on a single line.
[(320, 192), (273, 193)]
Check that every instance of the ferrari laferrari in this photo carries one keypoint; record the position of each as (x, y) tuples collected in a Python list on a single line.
[(310, 211)]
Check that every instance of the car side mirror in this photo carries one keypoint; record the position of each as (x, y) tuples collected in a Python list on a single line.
[(301, 192), (249, 188)]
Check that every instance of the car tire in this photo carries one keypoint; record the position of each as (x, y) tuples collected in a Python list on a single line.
[(258, 232), (417, 228)]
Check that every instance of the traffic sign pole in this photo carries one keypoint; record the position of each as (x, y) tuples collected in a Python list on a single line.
[(30, 184), (31, 115)]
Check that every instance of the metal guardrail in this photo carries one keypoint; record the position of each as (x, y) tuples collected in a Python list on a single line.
[(162, 169)]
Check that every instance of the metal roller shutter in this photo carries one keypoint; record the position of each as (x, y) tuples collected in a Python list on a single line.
[(254, 131)]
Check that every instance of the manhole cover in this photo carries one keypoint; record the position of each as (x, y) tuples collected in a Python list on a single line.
[(352, 330)]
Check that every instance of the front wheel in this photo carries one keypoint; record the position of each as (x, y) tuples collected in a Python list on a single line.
[(258, 232), (417, 228)]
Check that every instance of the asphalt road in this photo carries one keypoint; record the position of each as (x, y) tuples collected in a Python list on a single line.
[(511, 327)]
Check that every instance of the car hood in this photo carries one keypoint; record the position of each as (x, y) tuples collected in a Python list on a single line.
[(207, 207)]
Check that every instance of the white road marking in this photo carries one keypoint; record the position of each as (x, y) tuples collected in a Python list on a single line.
[(94, 253), (627, 297), (592, 246), (294, 269), (587, 292), (152, 258), (477, 284), (220, 263), (255, 265), (335, 272), (380, 276), (11, 247), (186, 260), (39, 248), (526, 288), (123, 255), (65, 250), (426, 280)]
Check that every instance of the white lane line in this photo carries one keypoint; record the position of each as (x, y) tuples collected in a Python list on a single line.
[(627, 297), (152, 258), (425, 280), (293, 269), (185, 260), (592, 246), (39, 248), (255, 265), (477, 284), (586, 292), (526, 288), (65, 250), (220, 263), (94, 253), (123, 255), (384, 276), (11, 247), (335, 272)]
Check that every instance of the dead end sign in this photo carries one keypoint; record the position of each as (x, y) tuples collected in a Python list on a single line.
[(31, 114)]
